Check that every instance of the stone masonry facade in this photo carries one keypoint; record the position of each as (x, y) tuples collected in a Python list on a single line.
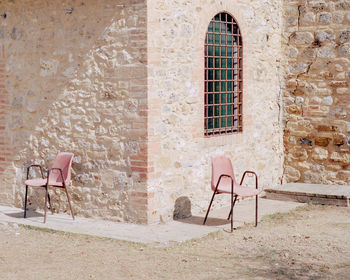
[(317, 93), (121, 85), (182, 155), (74, 78)]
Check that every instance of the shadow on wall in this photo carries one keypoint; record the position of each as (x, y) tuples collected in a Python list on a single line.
[(182, 208), (70, 69), (182, 213)]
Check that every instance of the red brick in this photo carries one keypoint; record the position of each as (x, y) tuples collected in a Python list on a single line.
[(137, 157), (139, 163), (143, 176), (344, 99), (136, 124), (331, 128), (142, 169), (139, 194), (314, 107), (142, 113)]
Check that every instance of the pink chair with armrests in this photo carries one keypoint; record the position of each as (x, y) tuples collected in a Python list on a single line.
[(223, 181), (58, 176)]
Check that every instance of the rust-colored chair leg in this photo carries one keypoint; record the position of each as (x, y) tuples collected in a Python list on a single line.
[(206, 216), (70, 206), (234, 202), (256, 211), (45, 206), (48, 196), (231, 210), (25, 202)]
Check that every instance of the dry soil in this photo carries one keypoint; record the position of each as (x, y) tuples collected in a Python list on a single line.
[(312, 242)]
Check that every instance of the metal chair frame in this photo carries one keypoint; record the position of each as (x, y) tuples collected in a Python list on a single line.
[(234, 197), (46, 186)]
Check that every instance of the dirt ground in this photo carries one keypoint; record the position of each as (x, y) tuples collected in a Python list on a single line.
[(312, 242)]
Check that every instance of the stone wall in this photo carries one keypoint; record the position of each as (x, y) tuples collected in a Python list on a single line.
[(6, 195), (73, 77), (121, 85), (317, 91), (179, 154)]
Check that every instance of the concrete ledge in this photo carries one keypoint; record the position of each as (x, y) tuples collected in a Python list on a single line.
[(158, 234), (324, 194)]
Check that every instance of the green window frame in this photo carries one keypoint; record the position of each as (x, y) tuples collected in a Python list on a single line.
[(223, 77)]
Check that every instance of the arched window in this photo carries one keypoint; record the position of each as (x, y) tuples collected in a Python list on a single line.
[(223, 76)]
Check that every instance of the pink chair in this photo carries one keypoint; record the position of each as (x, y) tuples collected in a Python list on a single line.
[(223, 181), (58, 176)]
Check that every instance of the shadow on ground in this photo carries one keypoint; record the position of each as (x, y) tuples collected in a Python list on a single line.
[(19, 215), (196, 220)]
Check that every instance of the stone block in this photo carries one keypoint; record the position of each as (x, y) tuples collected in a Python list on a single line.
[(182, 208), (327, 128), (340, 157), (298, 92), (337, 84), (326, 52), (333, 167), (343, 50), (321, 141), (292, 174), (299, 153), (294, 109), (325, 18), (307, 18), (328, 100), (319, 154), (344, 175), (302, 38), (299, 100), (343, 5), (344, 36), (338, 139), (338, 17), (325, 35), (309, 53)]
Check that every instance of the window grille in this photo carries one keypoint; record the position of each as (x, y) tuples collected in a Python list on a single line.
[(223, 76)]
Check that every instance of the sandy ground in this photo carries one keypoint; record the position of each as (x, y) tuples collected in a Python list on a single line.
[(312, 242)]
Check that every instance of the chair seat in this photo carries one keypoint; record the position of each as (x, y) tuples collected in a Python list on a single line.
[(225, 187), (38, 182)]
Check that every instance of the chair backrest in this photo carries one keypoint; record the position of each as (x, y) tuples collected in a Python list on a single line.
[(220, 165), (63, 161)]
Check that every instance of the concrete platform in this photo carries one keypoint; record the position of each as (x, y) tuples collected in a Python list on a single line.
[(159, 234), (324, 194)]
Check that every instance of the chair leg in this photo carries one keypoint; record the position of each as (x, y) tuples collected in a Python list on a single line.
[(206, 216), (70, 206), (45, 206), (48, 196), (234, 202), (25, 202), (256, 211)]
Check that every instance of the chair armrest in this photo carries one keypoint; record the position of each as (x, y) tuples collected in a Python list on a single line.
[(61, 173), (250, 172), (224, 175), (35, 165)]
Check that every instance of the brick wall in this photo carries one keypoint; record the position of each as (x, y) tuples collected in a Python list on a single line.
[(121, 86), (317, 94), (177, 147), (77, 81), (6, 191)]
